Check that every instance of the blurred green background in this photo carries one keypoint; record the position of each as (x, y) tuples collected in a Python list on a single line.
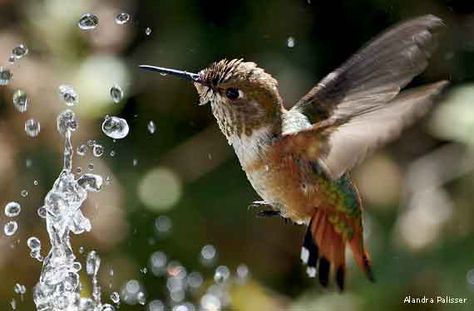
[(418, 191)]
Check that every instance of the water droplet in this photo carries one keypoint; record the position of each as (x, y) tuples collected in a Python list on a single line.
[(32, 127), (122, 18), (88, 21), (194, 280), (34, 243), (151, 127), (81, 150), (115, 127), (208, 255), (210, 302), (20, 289), (135, 162), (242, 273), (163, 224), (290, 42), (115, 297), (5, 76), (90, 166), (68, 94), (158, 262), (107, 307), (19, 51), (156, 305), (24, 193), (116, 93), (221, 274), (141, 298), (20, 100), (92, 263), (10, 228), (91, 142), (112, 153), (12, 209), (41, 212), (97, 150), (90, 182), (148, 31), (35, 182)]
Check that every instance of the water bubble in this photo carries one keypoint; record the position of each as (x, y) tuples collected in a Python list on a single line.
[(221, 274), (66, 122), (112, 153), (151, 127), (141, 298), (19, 51), (148, 31), (122, 18), (68, 94), (158, 262), (20, 289), (24, 193), (242, 272), (12, 209), (35, 182), (144, 270), (290, 42), (42, 212), (97, 150), (20, 100), (115, 297), (115, 127), (90, 166), (92, 263), (90, 182), (208, 255), (156, 305), (5, 76), (210, 302), (107, 307), (10, 228), (194, 280), (81, 150), (88, 21), (77, 266), (163, 224), (32, 127), (116, 93)]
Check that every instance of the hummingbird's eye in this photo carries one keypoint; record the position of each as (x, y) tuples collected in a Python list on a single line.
[(232, 93)]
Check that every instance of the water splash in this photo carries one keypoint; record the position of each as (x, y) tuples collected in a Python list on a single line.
[(59, 285)]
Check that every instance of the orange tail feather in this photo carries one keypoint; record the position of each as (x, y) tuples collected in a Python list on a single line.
[(324, 247)]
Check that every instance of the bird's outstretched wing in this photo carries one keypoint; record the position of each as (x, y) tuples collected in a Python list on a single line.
[(359, 106), (375, 74)]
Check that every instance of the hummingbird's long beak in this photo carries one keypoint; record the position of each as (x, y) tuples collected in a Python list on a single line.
[(179, 73)]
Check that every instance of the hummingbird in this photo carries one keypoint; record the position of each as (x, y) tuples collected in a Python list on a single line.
[(298, 160)]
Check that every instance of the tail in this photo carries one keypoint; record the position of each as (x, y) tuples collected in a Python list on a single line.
[(324, 246)]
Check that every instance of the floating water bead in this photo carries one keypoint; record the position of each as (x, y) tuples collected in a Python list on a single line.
[(92, 263), (81, 150), (208, 255), (163, 224), (115, 297), (221, 274), (10, 228), (20, 100), (115, 127), (19, 51), (5, 76), (158, 262), (24, 193), (88, 21), (32, 127), (148, 31), (141, 298), (68, 94), (33, 243), (290, 42), (151, 127), (97, 150), (12, 209), (122, 18), (20, 289), (156, 305), (116, 93)]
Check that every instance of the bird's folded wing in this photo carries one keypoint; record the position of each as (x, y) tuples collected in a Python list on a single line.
[(375, 74)]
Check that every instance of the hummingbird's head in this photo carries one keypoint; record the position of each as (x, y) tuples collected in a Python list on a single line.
[(243, 97)]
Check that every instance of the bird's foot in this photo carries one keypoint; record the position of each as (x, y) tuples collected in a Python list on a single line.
[(265, 209)]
